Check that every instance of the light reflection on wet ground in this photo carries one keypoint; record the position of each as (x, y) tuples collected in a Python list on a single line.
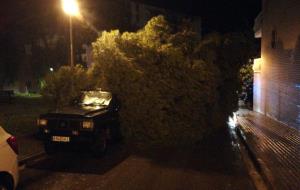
[(277, 147)]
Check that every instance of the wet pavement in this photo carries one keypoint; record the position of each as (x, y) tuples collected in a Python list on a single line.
[(214, 164), (276, 147)]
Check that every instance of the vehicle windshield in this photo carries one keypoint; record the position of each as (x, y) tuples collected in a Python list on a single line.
[(95, 98)]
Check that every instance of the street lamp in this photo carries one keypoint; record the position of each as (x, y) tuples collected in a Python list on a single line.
[(71, 8)]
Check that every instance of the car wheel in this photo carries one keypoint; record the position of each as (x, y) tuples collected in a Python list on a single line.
[(100, 146), (116, 135), (6, 182), (3, 187), (49, 148)]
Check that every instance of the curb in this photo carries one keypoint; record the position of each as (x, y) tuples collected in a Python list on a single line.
[(258, 164), (31, 157), (31, 134)]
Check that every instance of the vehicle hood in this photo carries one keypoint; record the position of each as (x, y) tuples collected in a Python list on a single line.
[(79, 111)]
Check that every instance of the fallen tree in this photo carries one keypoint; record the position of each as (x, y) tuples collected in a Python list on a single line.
[(175, 87)]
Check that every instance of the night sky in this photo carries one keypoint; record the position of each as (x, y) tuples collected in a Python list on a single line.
[(217, 15)]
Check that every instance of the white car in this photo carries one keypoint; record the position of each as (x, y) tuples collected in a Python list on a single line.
[(9, 171)]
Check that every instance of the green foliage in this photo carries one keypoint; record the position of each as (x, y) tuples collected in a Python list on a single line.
[(166, 95), (63, 86), (174, 87), (229, 53), (246, 78), (247, 74)]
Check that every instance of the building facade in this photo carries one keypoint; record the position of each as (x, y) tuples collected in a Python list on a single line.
[(277, 72)]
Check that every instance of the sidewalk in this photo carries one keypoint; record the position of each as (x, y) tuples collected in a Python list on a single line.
[(275, 147)]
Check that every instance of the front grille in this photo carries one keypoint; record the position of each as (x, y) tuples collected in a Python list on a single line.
[(64, 124)]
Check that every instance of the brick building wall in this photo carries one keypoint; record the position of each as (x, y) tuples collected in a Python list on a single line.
[(280, 70)]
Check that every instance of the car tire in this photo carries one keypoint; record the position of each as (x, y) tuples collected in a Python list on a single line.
[(116, 135), (6, 182), (3, 187), (101, 142), (49, 148)]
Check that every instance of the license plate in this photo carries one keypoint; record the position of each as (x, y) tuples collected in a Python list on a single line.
[(60, 139)]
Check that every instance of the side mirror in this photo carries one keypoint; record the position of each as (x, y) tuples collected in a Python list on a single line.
[(115, 104)]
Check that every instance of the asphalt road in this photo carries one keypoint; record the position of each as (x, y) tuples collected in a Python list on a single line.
[(213, 165)]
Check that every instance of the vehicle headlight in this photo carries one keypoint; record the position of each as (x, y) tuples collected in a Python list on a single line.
[(87, 124), (42, 122)]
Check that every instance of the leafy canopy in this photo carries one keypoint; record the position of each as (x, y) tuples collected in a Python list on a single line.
[(64, 85), (174, 86), (165, 89)]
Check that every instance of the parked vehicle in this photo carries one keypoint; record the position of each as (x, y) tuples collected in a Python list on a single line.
[(92, 122), (9, 172)]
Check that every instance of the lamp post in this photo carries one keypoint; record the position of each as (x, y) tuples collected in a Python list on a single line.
[(71, 8)]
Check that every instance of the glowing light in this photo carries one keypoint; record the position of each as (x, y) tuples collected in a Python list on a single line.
[(70, 7), (257, 65), (42, 122), (97, 98), (76, 133), (46, 131), (232, 121), (51, 69), (257, 93), (88, 124), (95, 101)]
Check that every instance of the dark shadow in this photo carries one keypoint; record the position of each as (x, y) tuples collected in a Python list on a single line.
[(215, 154), (81, 161), (213, 157)]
